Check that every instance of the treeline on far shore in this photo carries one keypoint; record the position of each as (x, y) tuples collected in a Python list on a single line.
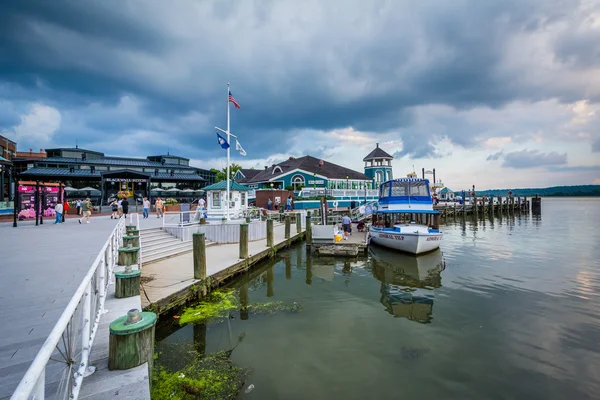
[(555, 191)]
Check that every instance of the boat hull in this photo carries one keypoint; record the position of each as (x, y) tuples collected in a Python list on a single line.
[(407, 242)]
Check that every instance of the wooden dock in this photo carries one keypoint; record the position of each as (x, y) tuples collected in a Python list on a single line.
[(323, 244), (487, 207), (170, 283)]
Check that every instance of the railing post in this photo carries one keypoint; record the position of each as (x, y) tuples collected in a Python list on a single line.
[(288, 222), (85, 332), (199, 246), (269, 232), (243, 241)]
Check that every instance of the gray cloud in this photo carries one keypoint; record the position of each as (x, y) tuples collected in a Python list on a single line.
[(596, 145), (532, 159), (495, 156), (371, 66)]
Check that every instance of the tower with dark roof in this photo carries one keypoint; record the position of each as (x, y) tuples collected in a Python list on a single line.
[(378, 165)]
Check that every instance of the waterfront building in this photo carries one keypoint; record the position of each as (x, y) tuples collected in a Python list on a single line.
[(160, 175), (216, 195), (446, 194), (378, 166), (304, 172)]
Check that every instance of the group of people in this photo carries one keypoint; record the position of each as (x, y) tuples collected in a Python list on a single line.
[(288, 204), (121, 207)]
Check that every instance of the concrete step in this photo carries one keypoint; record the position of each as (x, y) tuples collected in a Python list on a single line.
[(170, 252), (163, 244), (151, 241), (150, 230), (150, 235), (170, 246)]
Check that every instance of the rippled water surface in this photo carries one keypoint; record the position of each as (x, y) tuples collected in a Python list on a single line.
[(508, 309)]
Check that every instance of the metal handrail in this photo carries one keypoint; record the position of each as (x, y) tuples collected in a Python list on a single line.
[(89, 298), (137, 216)]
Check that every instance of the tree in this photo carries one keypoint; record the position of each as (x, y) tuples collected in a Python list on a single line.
[(222, 174)]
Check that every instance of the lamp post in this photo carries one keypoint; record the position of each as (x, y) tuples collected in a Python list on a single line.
[(347, 187), (315, 181)]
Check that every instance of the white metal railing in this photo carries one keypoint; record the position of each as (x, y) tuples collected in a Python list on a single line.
[(182, 218), (64, 356), (137, 220)]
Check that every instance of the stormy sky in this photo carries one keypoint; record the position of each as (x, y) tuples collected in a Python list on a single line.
[(499, 94)]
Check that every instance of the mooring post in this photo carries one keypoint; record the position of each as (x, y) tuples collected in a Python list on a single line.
[(199, 248), (298, 223), (288, 221), (127, 283), (128, 255), (269, 232), (244, 241), (247, 220), (131, 340), (308, 227)]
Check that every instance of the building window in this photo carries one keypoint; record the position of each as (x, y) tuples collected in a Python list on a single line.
[(297, 182), (243, 197), (216, 200)]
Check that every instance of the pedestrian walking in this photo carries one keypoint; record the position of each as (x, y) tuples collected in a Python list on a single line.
[(66, 208), (125, 206), (159, 205), (86, 210), (120, 208), (78, 205), (146, 209), (347, 226), (288, 204), (58, 210), (114, 206)]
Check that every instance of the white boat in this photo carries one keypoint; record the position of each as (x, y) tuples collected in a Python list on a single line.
[(405, 219)]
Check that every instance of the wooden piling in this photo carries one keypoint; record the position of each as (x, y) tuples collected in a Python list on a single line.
[(127, 283), (288, 221), (131, 341), (244, 241), (308, 227), (128, 256), (298, 223), (269, 232), (288, 268), (199, 249)]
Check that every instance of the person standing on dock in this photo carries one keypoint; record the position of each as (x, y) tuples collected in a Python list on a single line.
[(159, 205), (125, 205), (86, 210), (58, 210), (269, 205), (146, 209), (346, 225)]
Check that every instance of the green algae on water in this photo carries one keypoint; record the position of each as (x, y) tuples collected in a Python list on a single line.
[(219, 304), (213, 376), (215, 307)]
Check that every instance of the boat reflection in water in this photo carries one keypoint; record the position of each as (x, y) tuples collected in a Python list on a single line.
[(407, 281)]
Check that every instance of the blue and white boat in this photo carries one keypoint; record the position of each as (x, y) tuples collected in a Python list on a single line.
[(405, 219)]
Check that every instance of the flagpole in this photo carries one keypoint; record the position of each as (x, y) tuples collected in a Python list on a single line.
[(228, 151)]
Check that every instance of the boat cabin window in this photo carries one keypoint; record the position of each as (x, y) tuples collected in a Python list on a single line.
[(418, 189), (399, 188), (385, 190)]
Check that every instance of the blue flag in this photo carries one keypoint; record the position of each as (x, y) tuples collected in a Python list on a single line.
[(222, 142)]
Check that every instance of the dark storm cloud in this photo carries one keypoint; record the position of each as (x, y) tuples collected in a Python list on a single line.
[(292, 66), (532, 159)]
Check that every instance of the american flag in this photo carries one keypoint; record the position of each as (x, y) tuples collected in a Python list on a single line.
[(231, 99)]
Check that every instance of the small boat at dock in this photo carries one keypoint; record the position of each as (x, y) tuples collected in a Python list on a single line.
[(405, 219)]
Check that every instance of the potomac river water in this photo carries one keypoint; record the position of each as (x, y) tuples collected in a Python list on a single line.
[(508, 309)]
